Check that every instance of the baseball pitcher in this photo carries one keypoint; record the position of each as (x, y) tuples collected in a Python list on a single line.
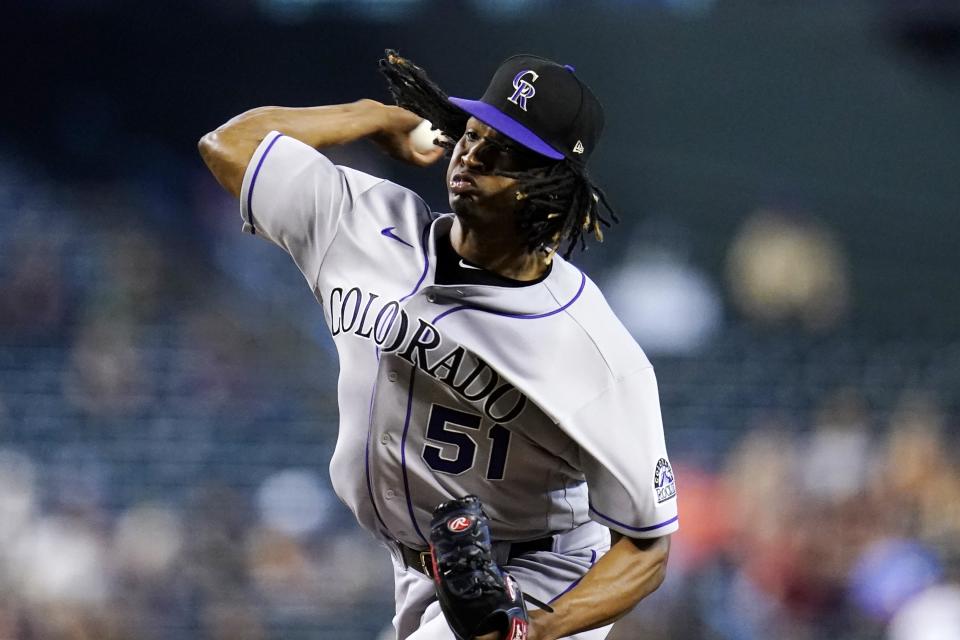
[(500, 430)]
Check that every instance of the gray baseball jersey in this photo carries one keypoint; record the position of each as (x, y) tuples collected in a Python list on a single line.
[(534, 398)]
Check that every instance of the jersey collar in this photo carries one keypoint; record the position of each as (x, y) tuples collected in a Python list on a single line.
[(554, 294)]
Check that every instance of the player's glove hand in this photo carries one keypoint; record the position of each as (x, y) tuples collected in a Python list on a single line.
[(477, 597)]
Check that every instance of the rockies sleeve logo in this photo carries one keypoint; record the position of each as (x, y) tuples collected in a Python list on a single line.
[(663, 482)]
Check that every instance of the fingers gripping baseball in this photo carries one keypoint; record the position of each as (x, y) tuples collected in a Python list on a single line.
[(408, 137), (421, 141)]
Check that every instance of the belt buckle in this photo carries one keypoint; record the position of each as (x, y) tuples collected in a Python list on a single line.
[(426, 563)]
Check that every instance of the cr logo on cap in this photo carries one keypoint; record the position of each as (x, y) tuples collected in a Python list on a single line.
[(460, 523), (523, 88)]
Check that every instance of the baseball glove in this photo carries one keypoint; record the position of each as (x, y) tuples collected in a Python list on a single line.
[(475, 594)]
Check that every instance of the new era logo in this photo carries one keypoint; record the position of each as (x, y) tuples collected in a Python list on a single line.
[(578, 148)]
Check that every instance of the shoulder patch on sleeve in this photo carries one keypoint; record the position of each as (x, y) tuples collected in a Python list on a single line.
[(664, 484)]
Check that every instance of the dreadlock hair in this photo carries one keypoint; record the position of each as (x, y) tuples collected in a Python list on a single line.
[(559, 200), (413, 90)]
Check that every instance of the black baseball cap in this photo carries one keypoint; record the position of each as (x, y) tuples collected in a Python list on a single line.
[(541, 105)]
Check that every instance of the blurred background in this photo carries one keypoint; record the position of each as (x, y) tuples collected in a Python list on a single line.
[(788, 174)]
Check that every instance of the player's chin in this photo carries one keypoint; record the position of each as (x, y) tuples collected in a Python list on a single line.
[(464, 204)]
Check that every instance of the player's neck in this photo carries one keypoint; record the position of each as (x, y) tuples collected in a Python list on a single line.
[(501, 253)]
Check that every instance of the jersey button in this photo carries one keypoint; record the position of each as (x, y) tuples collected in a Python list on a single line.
[(389, 494), (385, 438), (431, 297), (392, 376)]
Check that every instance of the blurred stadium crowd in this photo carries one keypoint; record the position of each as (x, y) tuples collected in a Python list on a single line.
[(167, 388), (164, 432)]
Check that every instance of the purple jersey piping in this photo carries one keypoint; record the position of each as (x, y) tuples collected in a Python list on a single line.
[(403, 456), (518, 316), (406, 423), (253, 182), (366, 457), (637, 529)]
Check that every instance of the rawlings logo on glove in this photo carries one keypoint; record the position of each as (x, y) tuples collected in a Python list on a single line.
[(475, 594), (459, 524)]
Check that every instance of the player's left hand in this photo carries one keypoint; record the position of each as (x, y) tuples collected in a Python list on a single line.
[(475, 594), (496, 635)]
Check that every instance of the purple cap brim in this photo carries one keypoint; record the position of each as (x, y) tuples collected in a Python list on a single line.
[(491, 116)]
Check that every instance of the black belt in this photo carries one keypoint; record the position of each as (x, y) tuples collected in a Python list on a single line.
[(420, 560)]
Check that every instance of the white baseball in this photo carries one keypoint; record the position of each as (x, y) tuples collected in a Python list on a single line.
[(422, 137)]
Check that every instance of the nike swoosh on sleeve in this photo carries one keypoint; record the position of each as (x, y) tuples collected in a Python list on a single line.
[(388, 232)]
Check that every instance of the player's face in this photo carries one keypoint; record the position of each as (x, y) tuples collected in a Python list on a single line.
[(474, 181)]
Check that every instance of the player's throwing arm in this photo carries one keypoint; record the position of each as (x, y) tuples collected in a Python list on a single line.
[(227, 149)]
